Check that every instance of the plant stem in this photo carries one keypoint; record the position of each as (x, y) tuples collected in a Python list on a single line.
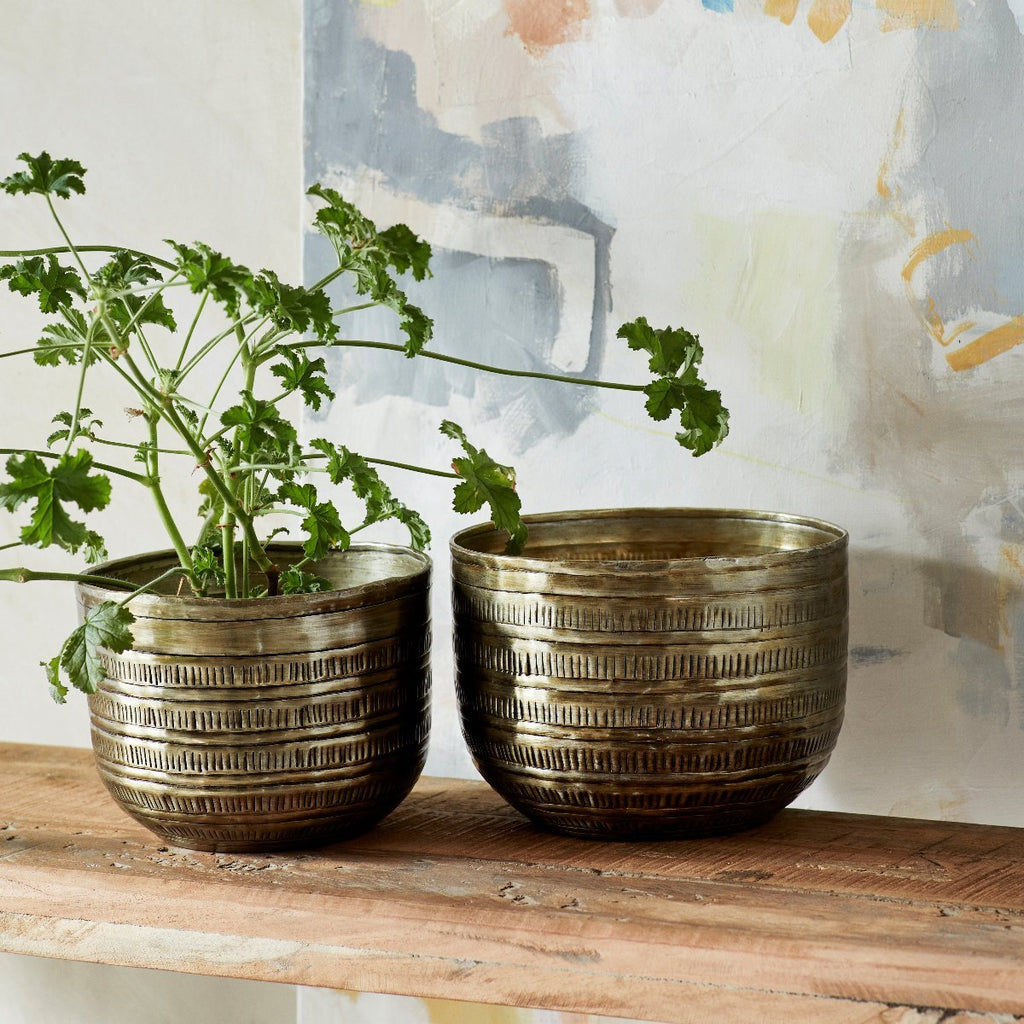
[(191, 330), (71, 246), (414, 469), (55, 249), (151, 585), (153, 464), (21, 574), (103, 467), (501, 370)]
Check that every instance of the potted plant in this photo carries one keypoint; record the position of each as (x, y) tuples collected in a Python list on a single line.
[(248, 691)]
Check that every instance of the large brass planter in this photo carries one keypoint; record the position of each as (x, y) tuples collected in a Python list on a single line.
[(652, 672), (268, 724)]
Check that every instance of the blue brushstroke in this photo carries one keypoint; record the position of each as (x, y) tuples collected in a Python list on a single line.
[(721, 6)]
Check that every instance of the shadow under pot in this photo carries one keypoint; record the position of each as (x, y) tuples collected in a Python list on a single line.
[(652, 673), (273, 723)]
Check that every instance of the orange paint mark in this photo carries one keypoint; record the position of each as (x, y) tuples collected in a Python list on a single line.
[(918, 14), (827, 17), (542, 24), (991, 344), (933, 245), (784, 10)]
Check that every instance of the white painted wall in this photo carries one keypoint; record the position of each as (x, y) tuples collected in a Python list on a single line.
[(187, 117)]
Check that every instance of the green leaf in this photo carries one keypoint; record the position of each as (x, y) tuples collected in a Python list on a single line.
[(299, 373), (323, 527), (207, 566), (58, 691), (672, 350), (70, 480), (64, 342), (406, 251), (297, 581), (46, 176), (86, 426), (487, 482), (207, 270), (663, 396), (120, 279), (55, 284), (704, 419), (260, 426), (675, 354), (380, 504), (293, 308), (105, 626), (369, 257)]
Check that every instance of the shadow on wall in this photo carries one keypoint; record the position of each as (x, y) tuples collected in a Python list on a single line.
[(934, 721)]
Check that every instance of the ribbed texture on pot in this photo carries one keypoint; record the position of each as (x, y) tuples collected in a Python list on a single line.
[(652, 672), (260, 725)]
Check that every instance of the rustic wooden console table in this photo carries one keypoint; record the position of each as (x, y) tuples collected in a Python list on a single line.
[(813, 919)]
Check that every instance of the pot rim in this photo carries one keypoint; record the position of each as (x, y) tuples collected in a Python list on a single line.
[(283, 606), (836, 539)]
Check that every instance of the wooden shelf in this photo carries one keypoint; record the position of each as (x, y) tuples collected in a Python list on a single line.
[(816, 917)]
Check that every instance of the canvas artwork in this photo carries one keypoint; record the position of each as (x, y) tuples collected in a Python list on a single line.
[(827, 192)]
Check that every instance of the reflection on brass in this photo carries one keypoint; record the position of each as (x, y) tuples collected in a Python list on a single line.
[(268, 724), (652, 672)]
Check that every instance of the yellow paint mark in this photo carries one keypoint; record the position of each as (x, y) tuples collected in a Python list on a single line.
[(784, 10), (827, 17), (918, 14), (933, 245), (989, 345), (447, 1011)]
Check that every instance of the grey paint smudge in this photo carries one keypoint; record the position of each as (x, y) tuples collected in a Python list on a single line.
[(867, 656), (361, 114)]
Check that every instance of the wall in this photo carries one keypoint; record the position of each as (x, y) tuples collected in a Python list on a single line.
[(825, 191), (187, 117)]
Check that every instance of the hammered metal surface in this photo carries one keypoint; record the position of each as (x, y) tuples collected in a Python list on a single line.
[(652, 672), (261, 725)]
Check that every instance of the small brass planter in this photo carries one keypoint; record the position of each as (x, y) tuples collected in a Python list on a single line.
[(253, 725), (652, 673)]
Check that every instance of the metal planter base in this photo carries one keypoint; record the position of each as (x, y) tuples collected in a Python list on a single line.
[(269, 724), (652, 673)]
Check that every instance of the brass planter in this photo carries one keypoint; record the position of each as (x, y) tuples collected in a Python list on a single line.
[(652, 672), (251, 725)]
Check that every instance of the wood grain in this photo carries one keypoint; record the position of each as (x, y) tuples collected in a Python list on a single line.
[(813, 919)]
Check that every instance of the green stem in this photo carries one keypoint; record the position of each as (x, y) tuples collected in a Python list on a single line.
[(153, 464), (169, 413), (414, 469), (134, 447), (80, 393), (21, 574), (55, 249), (191, 330), (71, 245), (74, 347), (103, 467), (151, 585), (500, 370)]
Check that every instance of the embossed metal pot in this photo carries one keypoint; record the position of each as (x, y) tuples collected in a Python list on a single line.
[(652, 672), (271, 723)]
